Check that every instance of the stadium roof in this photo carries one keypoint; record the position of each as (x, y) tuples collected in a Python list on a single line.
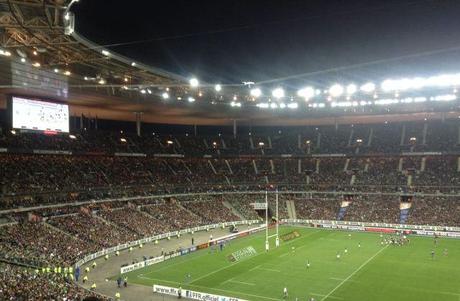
[(43, 56)]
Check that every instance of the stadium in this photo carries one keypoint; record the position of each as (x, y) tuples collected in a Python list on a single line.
[(229, 150)]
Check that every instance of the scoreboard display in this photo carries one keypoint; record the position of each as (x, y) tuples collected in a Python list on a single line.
[(38, 115)]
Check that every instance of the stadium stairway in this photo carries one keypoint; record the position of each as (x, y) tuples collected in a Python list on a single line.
[(233, 210), (105, 221), (61, 231), (188, 210), (290, 205), (403, 216), (4, 220), (146, 214), (341, 214)]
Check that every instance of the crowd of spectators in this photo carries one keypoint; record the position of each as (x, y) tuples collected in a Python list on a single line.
[(41, 245), (341, 138), (140, 223), (331, 170), (382, 171), (211, 211), (282, 207), (172, 213), (435, 211), (439, 171), (243, 204), (374, 209), (92, 229), (317, 209), (31, 180), (21, 284)]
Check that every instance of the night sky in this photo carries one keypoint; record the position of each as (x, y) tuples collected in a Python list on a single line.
[(231, 41)]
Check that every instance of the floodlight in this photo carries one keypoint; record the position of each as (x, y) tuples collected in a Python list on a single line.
[(336, 90), (278, 93), (256, 92), (368, 87), (293, 105), (307, 92), (448, 97), (263, 105), (194, 82), (351, 89)]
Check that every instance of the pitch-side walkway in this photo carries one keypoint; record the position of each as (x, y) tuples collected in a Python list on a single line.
[(135, 292)]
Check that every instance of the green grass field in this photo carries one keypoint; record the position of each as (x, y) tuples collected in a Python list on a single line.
[(370, 272)]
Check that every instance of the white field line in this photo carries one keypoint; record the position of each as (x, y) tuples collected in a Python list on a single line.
[(433, 291), (270, 270), (341, 279), (449, 293), (226, 267), (300, 247), (322, 295), (255, 268), (354, 272), (240, 282), (338, 279)]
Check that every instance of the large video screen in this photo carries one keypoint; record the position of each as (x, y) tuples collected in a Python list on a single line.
[(37, 115)]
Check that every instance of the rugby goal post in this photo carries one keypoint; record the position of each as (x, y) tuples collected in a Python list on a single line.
[(276, 235)]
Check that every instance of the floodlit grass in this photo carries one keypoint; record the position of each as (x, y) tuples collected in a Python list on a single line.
[(370, 272)]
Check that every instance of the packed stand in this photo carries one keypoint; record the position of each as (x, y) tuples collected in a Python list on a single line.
[(41, 245), (316, 209), (93, 229), (373, 208), (19, 283), (172, 213), (438, 211), (211, 211), (243, 204), (136, 221)]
